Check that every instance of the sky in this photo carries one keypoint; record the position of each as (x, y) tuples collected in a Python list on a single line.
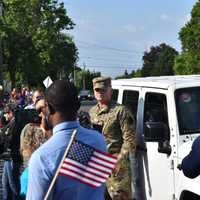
[(112, 35)]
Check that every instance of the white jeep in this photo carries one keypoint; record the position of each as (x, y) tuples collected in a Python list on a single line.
[(167, 113)]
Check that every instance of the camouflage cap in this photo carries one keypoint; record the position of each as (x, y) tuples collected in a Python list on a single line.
[(101, 82)]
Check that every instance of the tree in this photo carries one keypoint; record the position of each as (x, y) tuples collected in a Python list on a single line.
[(137, 73), (133, 74), (85, 77), (35, 43), (188, 62), (159, 61), (125, 75)]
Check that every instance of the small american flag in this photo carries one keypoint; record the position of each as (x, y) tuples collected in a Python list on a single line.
[(87, 165)]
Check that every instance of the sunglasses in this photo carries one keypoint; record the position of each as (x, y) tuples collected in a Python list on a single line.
[(39, 110), (100, 90), (38, 98)]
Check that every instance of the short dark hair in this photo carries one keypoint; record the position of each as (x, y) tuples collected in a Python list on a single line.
[(62, 96), (10, 107)]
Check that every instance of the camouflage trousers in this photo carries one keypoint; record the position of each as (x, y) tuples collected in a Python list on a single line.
[(119, 185)]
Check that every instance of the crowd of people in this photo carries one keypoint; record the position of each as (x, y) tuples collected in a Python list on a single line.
[(15, 170)]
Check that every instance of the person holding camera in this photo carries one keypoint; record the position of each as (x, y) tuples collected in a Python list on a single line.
[(37, 94), (40, 105)]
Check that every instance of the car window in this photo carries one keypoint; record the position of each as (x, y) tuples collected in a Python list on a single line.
[(84, 92), (130, 100), (155, 108), (115, 93), (188, 109)]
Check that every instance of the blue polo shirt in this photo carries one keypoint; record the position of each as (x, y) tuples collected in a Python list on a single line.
[(45, 160)]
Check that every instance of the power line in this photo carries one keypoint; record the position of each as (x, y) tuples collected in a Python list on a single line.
[(109, 48), (110, 55), (114, 67), (98, 49), (107, 59), (114, 64)]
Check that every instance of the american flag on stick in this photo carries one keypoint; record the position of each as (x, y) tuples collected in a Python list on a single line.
[(87, 165)]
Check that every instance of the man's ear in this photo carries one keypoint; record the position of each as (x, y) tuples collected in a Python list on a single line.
[(51, 109)]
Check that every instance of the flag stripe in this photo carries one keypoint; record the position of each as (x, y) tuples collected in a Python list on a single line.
[(106, 154), (101, 162), (106, 158), (97, 166), (100, 175), (83, 173), (93, 169), (80, 178)]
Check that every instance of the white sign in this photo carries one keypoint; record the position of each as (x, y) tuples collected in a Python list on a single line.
[(47, 81)]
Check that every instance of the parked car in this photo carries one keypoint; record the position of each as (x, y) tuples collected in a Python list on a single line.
[(85, 95)]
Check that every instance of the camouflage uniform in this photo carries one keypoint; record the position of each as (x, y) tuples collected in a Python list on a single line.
[(118, 126)]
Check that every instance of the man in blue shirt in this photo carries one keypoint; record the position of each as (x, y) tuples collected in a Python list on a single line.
[(61, 112)]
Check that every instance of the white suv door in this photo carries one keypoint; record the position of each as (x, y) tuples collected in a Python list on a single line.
[(159, 173)]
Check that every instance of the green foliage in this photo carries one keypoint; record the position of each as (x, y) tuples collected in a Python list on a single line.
[(189, 61), (34, 43), (138, 73), (159, 61), (125, 75), (84, 79), (190, 33), (133, 74)]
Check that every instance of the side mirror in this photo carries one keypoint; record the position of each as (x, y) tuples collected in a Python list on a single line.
[(154, 131), (164, 147)]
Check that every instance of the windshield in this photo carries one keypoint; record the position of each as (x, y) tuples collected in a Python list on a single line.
[(84, 92), (188, 109)]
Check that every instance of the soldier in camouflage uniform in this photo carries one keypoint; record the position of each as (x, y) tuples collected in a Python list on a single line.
[(118, 126)]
